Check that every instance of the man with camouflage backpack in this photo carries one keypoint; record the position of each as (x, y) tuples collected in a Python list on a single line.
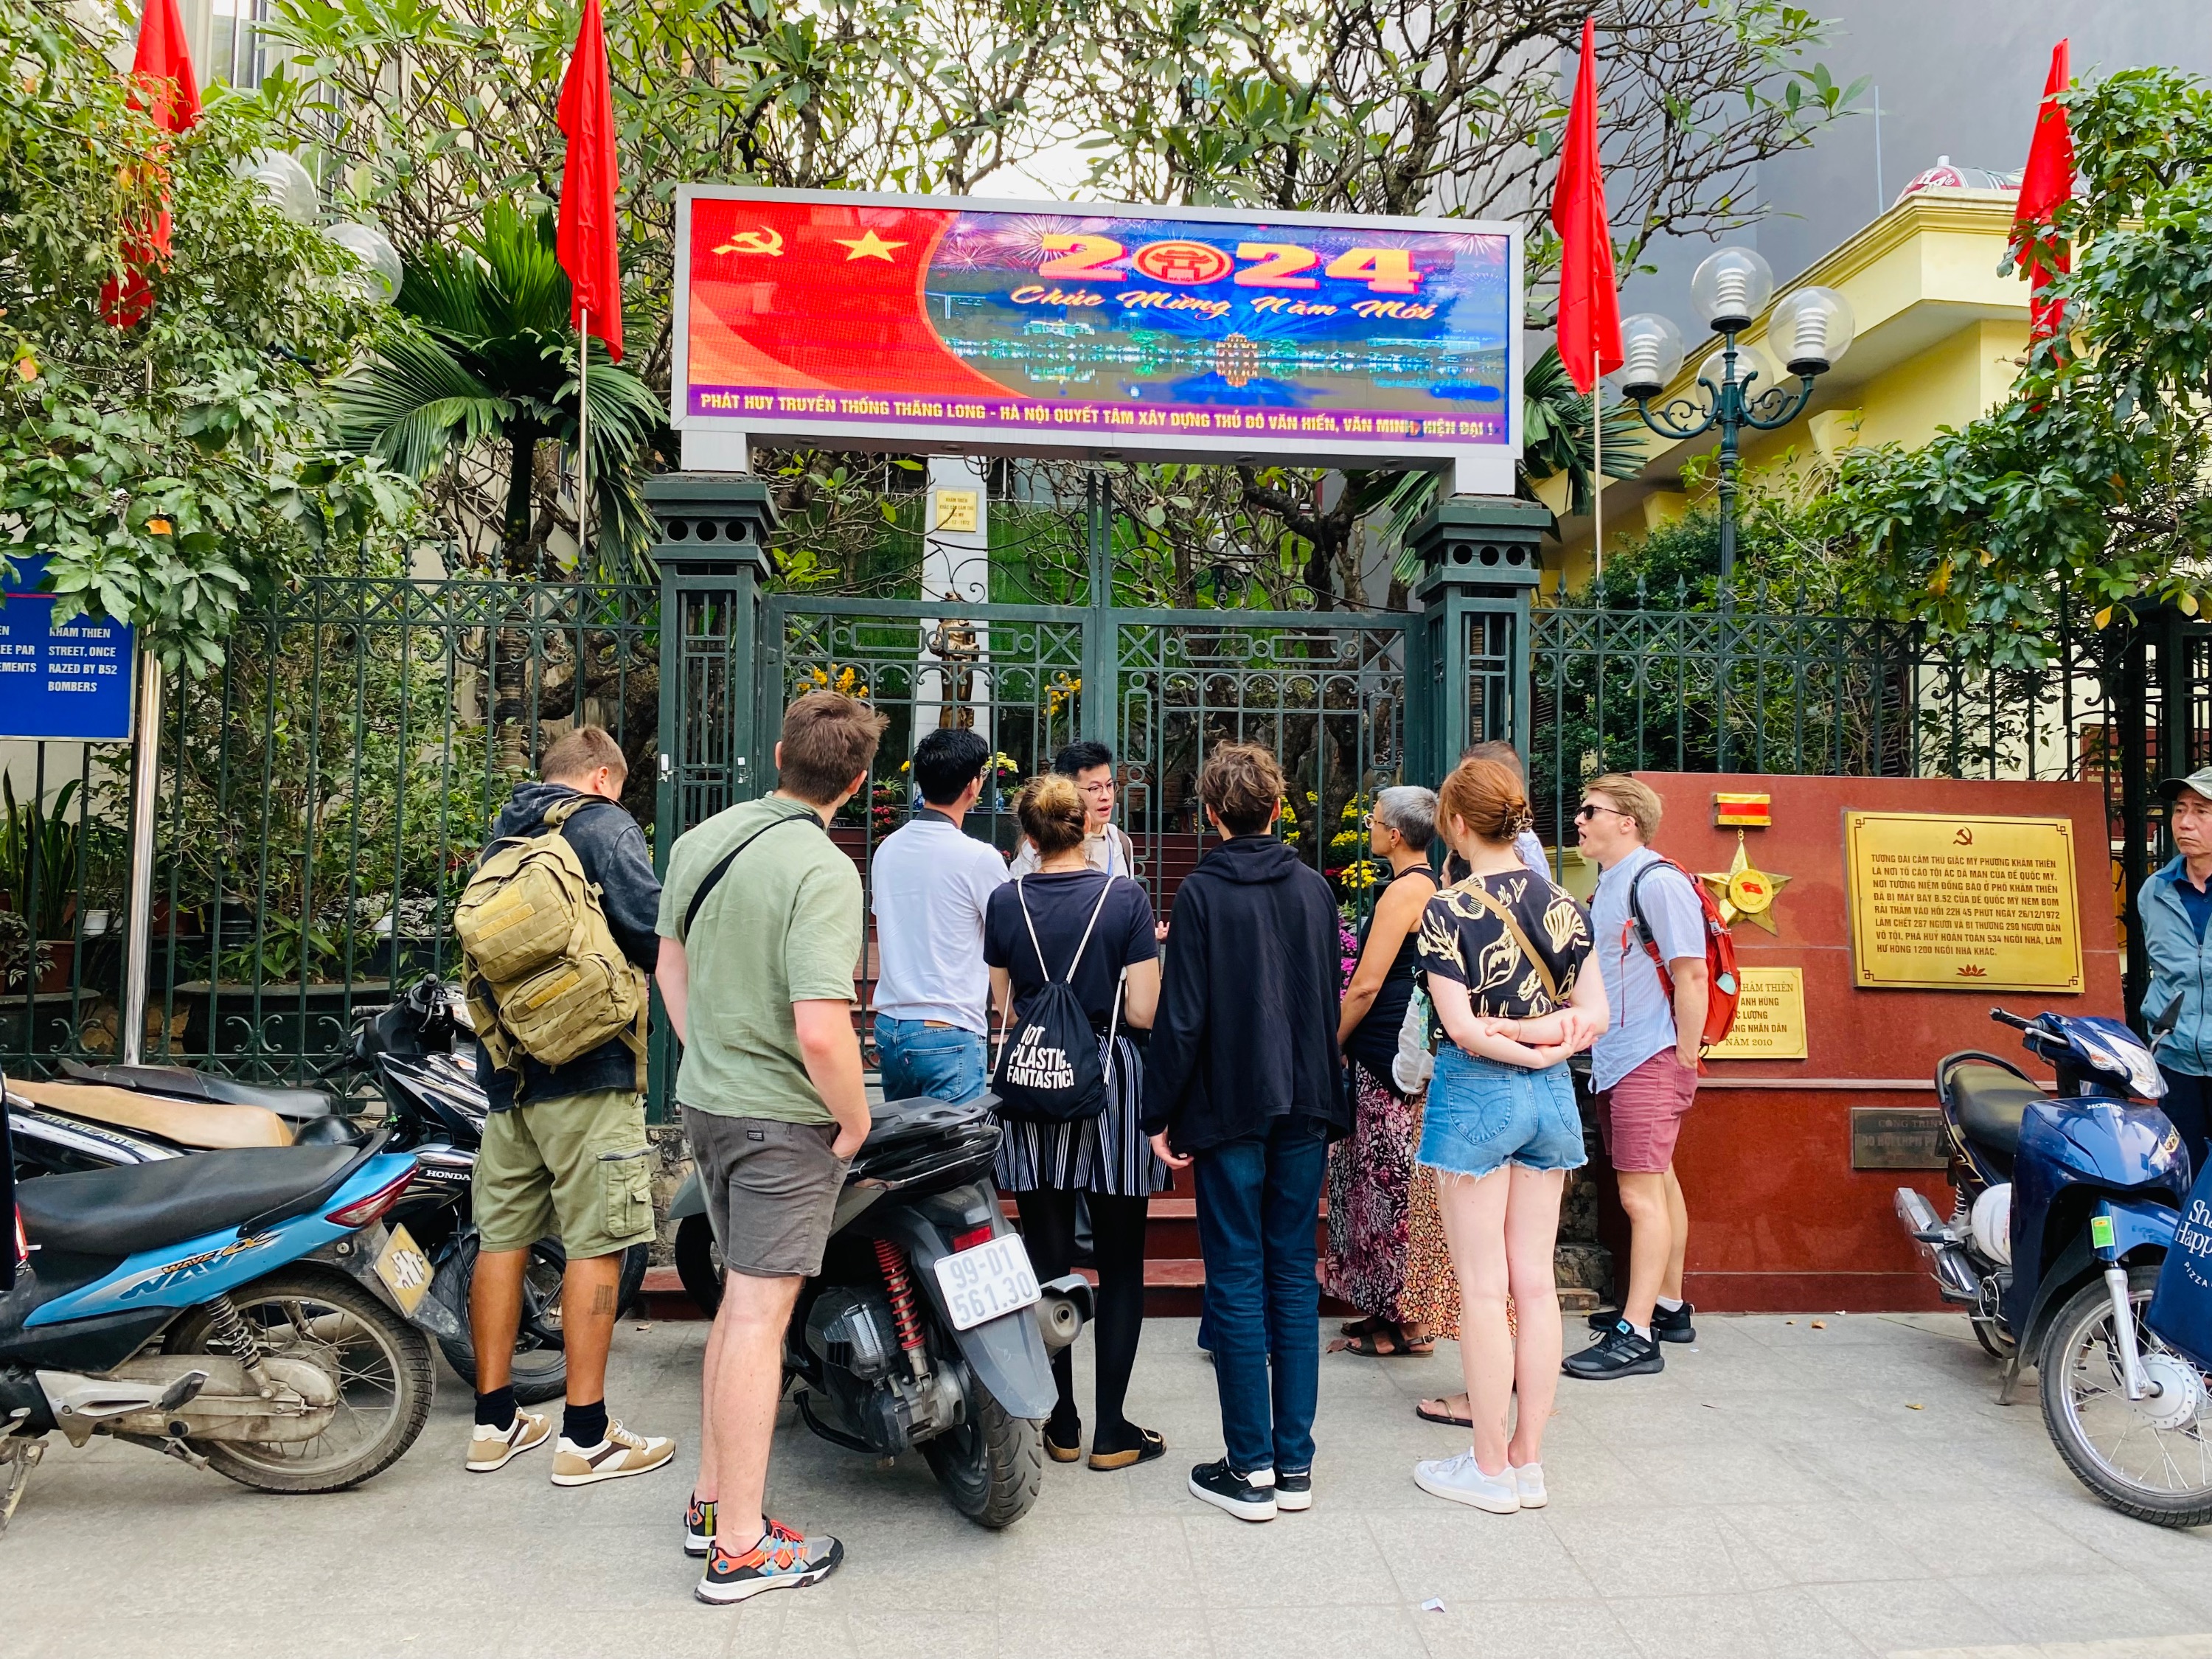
[(557, 930)]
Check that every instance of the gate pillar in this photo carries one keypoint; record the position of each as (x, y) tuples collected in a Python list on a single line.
[(1481, 559)]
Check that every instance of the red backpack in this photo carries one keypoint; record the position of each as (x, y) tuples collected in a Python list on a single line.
[(1725, 987)]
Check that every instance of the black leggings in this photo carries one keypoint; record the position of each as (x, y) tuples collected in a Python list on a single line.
[(1117, 1228)]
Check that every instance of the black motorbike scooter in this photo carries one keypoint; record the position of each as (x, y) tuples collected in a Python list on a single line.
[(926, 1329)]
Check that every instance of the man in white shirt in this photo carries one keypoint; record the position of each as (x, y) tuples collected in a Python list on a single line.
[(931, 881), (1643, 1071)]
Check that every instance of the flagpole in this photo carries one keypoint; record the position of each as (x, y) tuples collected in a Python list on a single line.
[(583, 435), (1597, 472)]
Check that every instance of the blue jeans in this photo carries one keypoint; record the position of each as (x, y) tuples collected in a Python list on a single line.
[(1484, 1113), (1259, 1203), (941, 1061)]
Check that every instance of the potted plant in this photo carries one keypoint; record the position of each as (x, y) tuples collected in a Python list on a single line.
[(39, 850)]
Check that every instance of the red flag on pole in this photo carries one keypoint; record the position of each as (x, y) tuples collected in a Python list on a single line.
[(2047, 182), (161, 84), (587, 241), (1590, 304)]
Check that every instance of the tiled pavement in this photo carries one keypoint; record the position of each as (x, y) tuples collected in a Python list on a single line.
[(1786, 1489)]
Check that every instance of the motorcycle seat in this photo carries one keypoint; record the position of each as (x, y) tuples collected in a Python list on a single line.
[(1990, 1102), (207, 1125), (179, 1082), (142, 1206)]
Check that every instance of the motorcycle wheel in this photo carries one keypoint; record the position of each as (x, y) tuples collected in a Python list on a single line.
[(2149, 1459), (992, 1467), (539, 1370), (382, 1365), (698, 1264)]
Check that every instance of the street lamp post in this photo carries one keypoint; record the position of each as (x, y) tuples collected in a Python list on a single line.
[(1812, 325)]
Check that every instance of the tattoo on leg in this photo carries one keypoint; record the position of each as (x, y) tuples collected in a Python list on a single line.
[(603, 1299)]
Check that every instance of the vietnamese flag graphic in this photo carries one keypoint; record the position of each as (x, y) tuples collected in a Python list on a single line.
[(161, 84), (819, 296)]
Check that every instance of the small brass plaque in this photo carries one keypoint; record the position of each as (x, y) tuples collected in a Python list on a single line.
[(1898, 1138), (956, 510), (1769, 1018), (1955, 903)]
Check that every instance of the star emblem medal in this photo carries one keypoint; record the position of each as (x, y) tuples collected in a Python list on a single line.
[(1743, 891)]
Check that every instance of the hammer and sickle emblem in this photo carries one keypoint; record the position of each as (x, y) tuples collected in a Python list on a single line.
[(770, 242), (1964, 837)]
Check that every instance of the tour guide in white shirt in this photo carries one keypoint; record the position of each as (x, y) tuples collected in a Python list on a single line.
[(931, 883), (1643, 1071)]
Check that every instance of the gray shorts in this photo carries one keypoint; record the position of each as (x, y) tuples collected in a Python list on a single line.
[(771, 1189)]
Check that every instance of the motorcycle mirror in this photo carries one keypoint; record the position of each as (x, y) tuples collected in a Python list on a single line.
[(2166, 1021)]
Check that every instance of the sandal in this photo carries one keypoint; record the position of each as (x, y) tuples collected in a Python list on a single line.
[(1371, 1345), (1360, 1326), (1154, 1446), (1060, 1453), (1445, 1418)]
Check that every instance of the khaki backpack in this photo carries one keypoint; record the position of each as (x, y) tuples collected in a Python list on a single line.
[(545, 978)]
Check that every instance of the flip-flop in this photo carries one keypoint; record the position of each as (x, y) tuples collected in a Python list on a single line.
[(1154, 1446), (1423, 1412)]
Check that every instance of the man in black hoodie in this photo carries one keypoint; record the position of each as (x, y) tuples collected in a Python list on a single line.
[(565, 1149), (1242, 1080)]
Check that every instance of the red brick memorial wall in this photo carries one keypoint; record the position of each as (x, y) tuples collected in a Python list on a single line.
[(1789, 1165)]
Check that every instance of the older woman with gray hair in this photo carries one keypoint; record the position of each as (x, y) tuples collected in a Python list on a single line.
[(1370, 1173)]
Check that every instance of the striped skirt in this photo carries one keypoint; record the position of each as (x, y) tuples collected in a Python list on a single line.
[(1108, 1154)]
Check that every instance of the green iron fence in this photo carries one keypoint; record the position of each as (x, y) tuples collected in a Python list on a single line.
[(322, 796)]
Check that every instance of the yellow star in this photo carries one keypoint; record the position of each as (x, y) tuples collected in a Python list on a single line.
[(1744, 892), (868, 245)]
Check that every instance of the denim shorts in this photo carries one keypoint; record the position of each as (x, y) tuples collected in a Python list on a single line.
[(1483, 1115)]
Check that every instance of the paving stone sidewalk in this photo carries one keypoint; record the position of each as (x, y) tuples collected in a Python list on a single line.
[(1787, 1489)]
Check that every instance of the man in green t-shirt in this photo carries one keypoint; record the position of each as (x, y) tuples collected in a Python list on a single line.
[(761, 930)]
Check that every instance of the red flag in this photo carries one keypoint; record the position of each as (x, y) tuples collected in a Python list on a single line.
[(586, 241), (1590, 304), (2047, 182), (161, 84)]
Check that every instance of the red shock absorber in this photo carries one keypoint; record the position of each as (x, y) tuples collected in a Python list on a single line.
[(901, 1291)]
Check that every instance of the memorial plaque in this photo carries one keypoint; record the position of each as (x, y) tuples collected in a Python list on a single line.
[(1770, 1016), (1965, 903), (1898, 1138)]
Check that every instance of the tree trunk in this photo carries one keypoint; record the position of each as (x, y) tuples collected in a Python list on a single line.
[(515, 539)]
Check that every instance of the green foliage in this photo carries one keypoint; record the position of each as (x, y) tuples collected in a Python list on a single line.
[(1782, 562), (490, 357), (171, 470), (39, 846), (2089, 486)]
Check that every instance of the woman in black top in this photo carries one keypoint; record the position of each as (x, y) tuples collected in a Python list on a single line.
[(1104, 1159), (1370, 1187)]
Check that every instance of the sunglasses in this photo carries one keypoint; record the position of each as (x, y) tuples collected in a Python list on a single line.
[(1591, 809)]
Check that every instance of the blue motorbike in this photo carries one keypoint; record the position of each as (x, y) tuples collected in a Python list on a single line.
[(2068, 1247), (244, 1311)]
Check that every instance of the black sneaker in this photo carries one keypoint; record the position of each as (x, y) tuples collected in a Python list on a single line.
[(1673, 1326), (1294, 1491), (1223, 1488), (1620, 1353)]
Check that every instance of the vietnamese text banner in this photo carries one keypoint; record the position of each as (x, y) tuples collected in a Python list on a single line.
[(1069, 326)]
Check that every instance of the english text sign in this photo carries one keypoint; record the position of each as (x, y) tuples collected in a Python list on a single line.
[(70, 681)]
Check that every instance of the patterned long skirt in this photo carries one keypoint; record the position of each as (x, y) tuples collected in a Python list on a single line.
[(1430, 1297), (1370, 1182)]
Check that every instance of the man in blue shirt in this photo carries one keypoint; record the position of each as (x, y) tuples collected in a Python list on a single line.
[(2174, 905)]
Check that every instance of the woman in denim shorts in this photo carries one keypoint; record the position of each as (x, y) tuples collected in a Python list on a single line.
[(1503, 952)]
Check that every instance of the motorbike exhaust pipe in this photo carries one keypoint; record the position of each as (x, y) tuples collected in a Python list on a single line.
[(1063, 1311), (1938, 1247)]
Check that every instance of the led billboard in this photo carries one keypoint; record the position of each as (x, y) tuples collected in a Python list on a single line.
[(942, 323)]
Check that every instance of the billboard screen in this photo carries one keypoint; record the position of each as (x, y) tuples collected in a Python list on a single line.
[(949, 324)]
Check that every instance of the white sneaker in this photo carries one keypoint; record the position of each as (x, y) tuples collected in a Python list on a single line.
[(490, 1447), (1528, 1479), (1462, 1479), (620, 1454)]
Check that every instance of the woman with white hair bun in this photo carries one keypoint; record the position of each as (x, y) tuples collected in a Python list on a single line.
[(1370, 1172)]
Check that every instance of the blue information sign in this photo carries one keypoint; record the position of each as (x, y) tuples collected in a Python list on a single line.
[(74, 680)]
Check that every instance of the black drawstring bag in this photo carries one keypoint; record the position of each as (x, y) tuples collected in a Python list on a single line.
[(1050, 1066)]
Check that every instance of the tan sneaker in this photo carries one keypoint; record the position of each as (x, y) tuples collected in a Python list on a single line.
[(620, 1454), (491, 1448)]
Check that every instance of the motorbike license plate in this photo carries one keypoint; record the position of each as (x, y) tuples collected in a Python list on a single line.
[(987, 1282), (404, 1270)]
